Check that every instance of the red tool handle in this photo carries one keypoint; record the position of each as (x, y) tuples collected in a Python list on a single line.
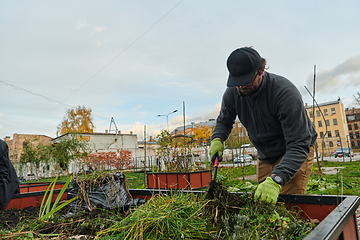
[(216, 161)]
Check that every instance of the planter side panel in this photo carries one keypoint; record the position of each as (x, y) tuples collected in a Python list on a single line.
[(161, 180), (348, 231), (196, 180), (172, 181), (312, 211), (152, 180), (183, 180), (32, 201), (36, 187), (206, 178)]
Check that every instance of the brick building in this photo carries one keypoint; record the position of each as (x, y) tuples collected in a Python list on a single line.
[(330, 123), (353, 123), (17, 144)]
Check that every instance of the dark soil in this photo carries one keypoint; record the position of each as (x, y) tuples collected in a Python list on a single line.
[(83, 224)]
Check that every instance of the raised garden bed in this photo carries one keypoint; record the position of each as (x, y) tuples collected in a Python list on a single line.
[(38, 186), (337, 214), (179, 180)]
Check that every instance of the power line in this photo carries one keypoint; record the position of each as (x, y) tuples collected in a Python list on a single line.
[(36, 94), (101, 69), (126, 48), (39, 95)]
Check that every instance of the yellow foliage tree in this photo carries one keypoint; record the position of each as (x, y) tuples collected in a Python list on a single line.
[(202, 134), (77, 120)]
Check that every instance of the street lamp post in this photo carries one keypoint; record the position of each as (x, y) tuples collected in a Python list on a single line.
[(167, 117)]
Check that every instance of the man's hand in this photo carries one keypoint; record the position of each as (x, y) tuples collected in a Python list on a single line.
[(216, 147), (268, 191)]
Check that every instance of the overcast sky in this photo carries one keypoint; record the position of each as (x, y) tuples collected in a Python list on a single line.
[(133, 60)]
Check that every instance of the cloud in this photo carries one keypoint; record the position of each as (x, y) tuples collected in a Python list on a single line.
[(99, 42), (81, 24), (346, 74), (98, 29), (138, 107), (93, 29), (174, 122)]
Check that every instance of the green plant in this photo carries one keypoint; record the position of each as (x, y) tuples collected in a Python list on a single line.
[(175, 155), (45, 211), (175, 216)]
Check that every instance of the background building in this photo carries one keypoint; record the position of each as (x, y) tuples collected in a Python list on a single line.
[(329, 120), (18, 142), (353, 123)]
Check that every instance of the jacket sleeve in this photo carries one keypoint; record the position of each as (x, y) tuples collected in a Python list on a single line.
[(226, 118), (297, 129)]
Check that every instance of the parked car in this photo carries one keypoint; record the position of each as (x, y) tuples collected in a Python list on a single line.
[(241, 158), (343, 151), (319, 155)]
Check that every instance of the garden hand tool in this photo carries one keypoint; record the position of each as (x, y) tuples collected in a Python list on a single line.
[(216, 164), (268, 191)]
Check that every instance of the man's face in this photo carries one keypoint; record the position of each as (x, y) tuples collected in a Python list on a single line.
[(253, 86)]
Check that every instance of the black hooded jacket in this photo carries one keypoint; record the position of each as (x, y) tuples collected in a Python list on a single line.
[(9, 182), (276, 122)]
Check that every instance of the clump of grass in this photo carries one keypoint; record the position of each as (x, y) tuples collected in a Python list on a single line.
[(176, 216), (240, 217)]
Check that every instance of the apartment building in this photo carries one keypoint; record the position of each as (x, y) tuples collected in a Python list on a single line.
[(329, 119), (353, 123), (18, 142)]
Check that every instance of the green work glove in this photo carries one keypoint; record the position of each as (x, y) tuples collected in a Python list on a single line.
[(216, 147), (268, 191)]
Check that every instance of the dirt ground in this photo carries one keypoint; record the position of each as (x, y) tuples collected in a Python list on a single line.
[(84, 225)]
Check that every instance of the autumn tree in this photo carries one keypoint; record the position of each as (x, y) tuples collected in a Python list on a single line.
[(102, 160), (202, 134), (237, 137), (175, 155), (77, 120)]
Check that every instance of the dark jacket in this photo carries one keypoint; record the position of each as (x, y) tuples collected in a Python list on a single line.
[(9, 183), (276, 122)]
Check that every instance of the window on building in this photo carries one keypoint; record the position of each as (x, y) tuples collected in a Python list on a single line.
[(358, 142), (337, 133), (357, 134), (356, 126), (320, 123), (335, 121), (350, 127), (329, 133), (351, 136), (323, 145), (310, 114), (331, 144), (333, 111), (325, 112), (327, 122), (321, 134), (352, 144), (318, 113), (350, 118)]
